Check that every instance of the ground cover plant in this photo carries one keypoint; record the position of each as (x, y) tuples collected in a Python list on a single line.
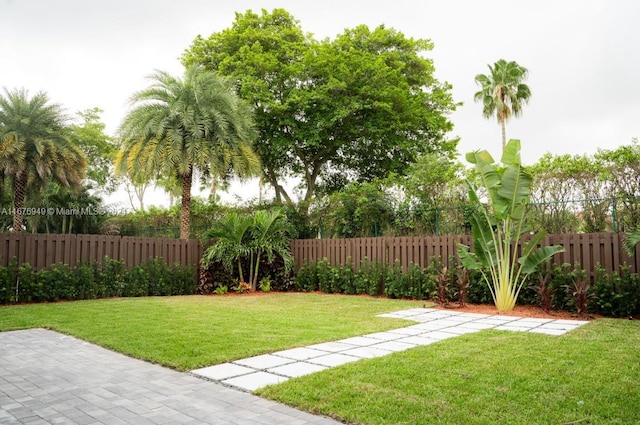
[(588, 376), (194, 331)]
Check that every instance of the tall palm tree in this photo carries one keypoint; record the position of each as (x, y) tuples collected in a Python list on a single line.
[(503, 93), (35, 147), (178, 126)]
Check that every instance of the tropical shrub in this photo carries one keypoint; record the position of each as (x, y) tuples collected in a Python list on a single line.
[(239, 238), (107, 278), (499, 226)]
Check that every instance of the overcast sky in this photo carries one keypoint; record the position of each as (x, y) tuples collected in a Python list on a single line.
[(582, 55)]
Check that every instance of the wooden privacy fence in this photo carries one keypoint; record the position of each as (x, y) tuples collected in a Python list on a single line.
[(43, 250), (586, 249)]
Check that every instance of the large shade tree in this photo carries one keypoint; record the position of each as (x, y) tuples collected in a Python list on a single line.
[(35, 147), (362, 105), (180, 125), (503, 92)]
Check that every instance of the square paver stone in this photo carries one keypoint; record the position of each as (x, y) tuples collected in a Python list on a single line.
[(384, 336), (459, 330), (331, 360), (533, 320), (302, 353), (418, 340), (432, 326), (331, 347), (495, 321), (477, 326), (557, 324), (407, 313), (395, 346), (436, 335), (264, 362), (360, 341), (223, 371), (411, 330), (296, 369), (513, 328), (253, 381), (367, 352)]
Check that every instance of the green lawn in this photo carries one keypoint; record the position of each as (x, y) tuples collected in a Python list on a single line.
[(589, 376), (195, 331)]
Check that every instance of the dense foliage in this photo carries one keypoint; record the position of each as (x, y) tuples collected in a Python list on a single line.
[(361, 105), (20, 283), (615, 295), (179, 126)]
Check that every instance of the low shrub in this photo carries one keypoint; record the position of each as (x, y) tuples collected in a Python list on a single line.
[(107, 278), (616, 295)]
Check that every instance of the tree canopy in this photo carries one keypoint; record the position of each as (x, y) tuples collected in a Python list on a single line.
[(180, 125), (35, 147), (503, 92), (363, 104)]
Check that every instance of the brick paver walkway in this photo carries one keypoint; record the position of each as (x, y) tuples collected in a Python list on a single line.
[(50, 378)]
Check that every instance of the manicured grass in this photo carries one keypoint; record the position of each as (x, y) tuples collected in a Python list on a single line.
[(589, 376), (195, 331)]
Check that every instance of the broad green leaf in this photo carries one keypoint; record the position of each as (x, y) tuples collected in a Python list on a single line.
[(511, 153), (468, 259), (531, 262)]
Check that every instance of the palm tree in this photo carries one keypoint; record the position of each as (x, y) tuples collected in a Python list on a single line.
[(630, 241), (35, 147), (503, 92), (238, 237), (178, 126), (271, 236), (232, 235)]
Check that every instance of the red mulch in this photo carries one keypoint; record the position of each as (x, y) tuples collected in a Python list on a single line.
[(519, 310)]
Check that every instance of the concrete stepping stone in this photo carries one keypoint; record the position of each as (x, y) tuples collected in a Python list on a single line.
[(336, 359), (253, 381), (263, 362), (223, 371), (297, 369), (433, 326)]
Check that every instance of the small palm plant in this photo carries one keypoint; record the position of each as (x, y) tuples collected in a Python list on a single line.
[(250, 238)]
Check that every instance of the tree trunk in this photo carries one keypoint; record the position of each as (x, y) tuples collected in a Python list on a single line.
[(503, 124), (185, 210), (19, 188)]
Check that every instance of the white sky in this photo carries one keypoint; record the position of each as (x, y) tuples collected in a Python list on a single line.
[(582, 56)]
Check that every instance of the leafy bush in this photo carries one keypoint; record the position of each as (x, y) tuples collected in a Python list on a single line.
[(107, 278), (616, 295), (8, 279), (369, 278), (213, 277)]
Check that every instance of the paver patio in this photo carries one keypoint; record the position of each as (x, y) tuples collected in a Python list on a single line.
[(50, 378)]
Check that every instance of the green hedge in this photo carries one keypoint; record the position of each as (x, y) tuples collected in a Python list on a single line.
[(614, 295), (107, 278)]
